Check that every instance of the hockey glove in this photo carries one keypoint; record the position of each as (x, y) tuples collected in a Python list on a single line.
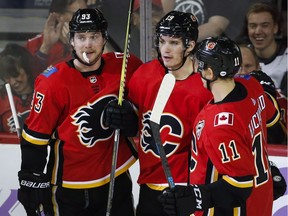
[(184, 200), (266, 82), (279, 183), (34, 190), (121, 117)]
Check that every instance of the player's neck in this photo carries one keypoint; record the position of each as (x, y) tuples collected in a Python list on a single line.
[(185, 71), (220, 88), (84, 68)]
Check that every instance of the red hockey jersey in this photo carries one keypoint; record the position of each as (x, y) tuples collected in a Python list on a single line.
[(186, 100), (229, 140), (22, 106), (69, 105)]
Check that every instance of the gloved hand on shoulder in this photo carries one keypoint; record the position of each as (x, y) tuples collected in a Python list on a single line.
[(121, 117), (34, 190), (184, 200)]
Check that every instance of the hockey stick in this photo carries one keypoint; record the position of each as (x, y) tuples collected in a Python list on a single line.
[(164, 92), (13, 109), (39, 211), (120, 99)]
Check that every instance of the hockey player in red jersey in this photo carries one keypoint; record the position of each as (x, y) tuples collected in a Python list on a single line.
[(230, 173), (176, 36), (67, 114)]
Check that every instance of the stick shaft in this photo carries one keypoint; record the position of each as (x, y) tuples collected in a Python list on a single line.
[(125, 57), (120, 99), (113, 171), (13, 108), (157, 138), (162, 97)]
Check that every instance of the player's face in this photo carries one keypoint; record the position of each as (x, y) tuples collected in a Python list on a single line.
[(91, 43), (249, 62), (20, 84), (261, 30), (171, 50)]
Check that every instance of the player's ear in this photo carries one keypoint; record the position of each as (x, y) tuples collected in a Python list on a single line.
[(210, 74), (190, 46)]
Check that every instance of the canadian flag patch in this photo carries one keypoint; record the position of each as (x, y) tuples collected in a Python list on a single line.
[(224, 118)]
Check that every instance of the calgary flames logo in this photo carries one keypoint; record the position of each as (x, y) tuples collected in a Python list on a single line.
[(88, 120), (211, 45), (147, 142)]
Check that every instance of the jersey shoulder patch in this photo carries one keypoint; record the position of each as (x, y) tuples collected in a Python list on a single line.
[(49, 71), (224, 118)]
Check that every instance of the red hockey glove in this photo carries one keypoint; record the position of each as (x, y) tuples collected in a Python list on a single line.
[(184, 200), (121, 117), (34, 190)]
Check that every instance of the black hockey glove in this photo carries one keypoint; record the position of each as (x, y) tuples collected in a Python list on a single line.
[(121, 117), (34, 190), (184, 200), (266, 82), (279, 183)]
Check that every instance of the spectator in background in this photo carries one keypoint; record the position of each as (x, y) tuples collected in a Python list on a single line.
[(17, 67), (52, 46), (262, 21), (212, 20), (277, 134), (217, 17), (250, 60)]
